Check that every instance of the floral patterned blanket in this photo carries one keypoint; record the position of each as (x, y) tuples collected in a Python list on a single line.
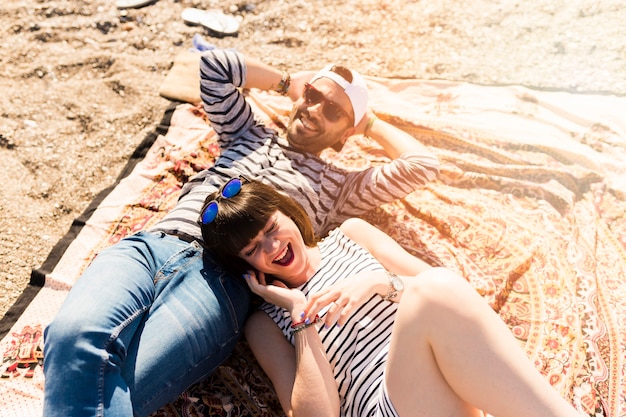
[(529, 207)]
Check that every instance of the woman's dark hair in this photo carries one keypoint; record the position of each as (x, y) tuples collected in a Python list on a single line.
[(241, 217)]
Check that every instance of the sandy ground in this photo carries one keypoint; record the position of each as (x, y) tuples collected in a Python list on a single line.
[(79, 79)]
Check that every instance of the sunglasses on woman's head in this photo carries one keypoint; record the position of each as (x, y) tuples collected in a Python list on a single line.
[(228, 190), (331, 110)]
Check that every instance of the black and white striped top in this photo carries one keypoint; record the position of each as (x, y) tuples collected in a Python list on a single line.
[(329, 194), (357, 351)]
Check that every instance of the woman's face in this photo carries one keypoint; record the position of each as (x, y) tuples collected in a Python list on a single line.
[(279, 250)]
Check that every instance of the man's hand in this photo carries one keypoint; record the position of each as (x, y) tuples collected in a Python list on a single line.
[(298, 80)]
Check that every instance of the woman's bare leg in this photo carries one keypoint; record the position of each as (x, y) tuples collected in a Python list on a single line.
[(452, 355)]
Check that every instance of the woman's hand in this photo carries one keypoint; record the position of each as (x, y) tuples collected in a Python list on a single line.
[(276, 293), (345, 296)]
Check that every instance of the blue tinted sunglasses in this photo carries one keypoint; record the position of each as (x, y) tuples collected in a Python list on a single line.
[(228, 190)]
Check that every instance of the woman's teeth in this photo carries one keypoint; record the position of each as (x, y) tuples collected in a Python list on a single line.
[(285, 258), (282, 255)]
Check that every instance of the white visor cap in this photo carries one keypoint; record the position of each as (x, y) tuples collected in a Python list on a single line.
[(356, 90)]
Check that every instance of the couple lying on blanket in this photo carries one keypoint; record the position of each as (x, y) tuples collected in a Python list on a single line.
[(157, 311)]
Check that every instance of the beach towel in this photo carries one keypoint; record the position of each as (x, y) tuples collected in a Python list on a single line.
[(529, 207)]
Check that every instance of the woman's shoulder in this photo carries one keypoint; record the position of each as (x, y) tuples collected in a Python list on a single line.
[(353, 223), (355, 229)]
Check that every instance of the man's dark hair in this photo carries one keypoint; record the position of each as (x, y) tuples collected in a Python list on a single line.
[(345, 73)]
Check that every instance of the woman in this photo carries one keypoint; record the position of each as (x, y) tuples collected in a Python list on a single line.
[(421, 342)]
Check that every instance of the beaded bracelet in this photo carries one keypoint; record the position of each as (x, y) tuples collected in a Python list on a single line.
[(299, 326), (283, 85), (370, 122)]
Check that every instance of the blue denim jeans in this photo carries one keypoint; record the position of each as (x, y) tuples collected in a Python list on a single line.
[(150, 316)]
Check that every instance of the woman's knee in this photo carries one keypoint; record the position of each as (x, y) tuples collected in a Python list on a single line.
[(435, 292), (437, 284), (439, 296)]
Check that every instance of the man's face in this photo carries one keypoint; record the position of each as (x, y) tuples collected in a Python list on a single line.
[(320, 118)]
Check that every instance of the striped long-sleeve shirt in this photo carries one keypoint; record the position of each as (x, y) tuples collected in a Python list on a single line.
[(328, 193), (358, 350)]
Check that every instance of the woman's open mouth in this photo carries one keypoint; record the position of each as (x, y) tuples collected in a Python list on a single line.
[(285, 257)]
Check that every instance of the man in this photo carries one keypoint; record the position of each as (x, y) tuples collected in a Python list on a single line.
[(154, 313)]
